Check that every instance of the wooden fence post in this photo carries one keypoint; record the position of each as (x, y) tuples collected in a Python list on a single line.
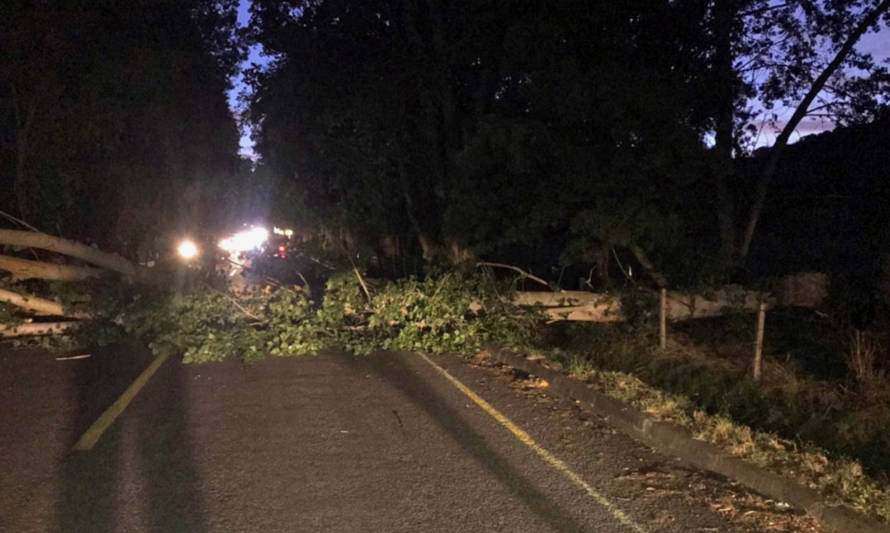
[(758, 341), (662, 319)]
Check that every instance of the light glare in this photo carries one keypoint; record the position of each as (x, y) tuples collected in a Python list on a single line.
[(187, 249), (246, 240), (287, 232)]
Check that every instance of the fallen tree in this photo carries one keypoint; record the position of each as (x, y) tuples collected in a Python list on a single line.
[(37, 305), (87, 254), (29, 329), (24, 269), (464, 293), (452, 312), (807, 289), (592, 307)]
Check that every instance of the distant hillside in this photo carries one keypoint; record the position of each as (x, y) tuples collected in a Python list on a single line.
[(829, 207)]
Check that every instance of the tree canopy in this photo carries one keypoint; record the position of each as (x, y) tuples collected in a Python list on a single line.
[(538, 131), (115, 122), (488, 128)]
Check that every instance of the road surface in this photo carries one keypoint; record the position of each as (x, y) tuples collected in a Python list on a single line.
[(332, 443)]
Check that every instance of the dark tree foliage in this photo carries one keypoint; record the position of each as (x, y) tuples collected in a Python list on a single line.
[(485, 127), (531, 131), (115, 126), (515, 130)]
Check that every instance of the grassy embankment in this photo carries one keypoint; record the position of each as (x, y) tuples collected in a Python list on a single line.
[(819, 415)]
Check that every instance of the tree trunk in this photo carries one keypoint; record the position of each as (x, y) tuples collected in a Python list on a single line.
[(436, 123), (556, 298), (22, 269), (724, 16), (427, 247), (601, 262), (20, 186), (37, 328), (427, 244), (40, 306), (648, 266), (30, 239), (591, 307), (24, 186)]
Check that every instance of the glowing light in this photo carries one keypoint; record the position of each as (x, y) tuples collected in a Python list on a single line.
[(246, 240), (187, 249), (286, 232)]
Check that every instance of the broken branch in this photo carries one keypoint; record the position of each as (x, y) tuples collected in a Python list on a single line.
[(361, 281), (29, 239), (38, 305), (643, 259), (22, 269), (37, 328), (518, 270)]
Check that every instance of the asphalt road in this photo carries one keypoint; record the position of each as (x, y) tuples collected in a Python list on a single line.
[(329, 443)]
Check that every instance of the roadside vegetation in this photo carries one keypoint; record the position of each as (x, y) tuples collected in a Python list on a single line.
[(448, 312), (828, 434)]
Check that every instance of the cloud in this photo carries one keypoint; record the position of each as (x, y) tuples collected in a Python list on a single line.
[(807, 126), (877, 44)]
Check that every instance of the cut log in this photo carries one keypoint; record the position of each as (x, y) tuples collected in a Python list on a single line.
[(37, 328), (22, 269), (591, 307), (601, 312), (31, 239), (558, 298), (40, 306)]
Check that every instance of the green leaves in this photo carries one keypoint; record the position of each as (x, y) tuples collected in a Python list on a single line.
[(446, 313), (437, 314)]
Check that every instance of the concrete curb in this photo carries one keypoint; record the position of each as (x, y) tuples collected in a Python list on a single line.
[(674, 440)]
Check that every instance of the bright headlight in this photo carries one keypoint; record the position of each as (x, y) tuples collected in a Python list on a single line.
[(187, 249), (246, 240)]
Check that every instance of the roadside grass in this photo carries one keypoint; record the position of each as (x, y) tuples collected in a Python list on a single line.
[(828, 434)]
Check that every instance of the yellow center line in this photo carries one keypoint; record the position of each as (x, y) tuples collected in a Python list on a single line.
[(92, 435), (548, 457)]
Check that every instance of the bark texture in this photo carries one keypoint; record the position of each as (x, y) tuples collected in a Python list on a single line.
[(30, 239), (22, 269), (37, 305), (37, 328)]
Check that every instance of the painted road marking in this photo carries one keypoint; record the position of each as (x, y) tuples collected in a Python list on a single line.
[(548, 457), (92, 435)]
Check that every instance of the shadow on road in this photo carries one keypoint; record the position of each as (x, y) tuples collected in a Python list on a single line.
[(141, 474), (391, 368)]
